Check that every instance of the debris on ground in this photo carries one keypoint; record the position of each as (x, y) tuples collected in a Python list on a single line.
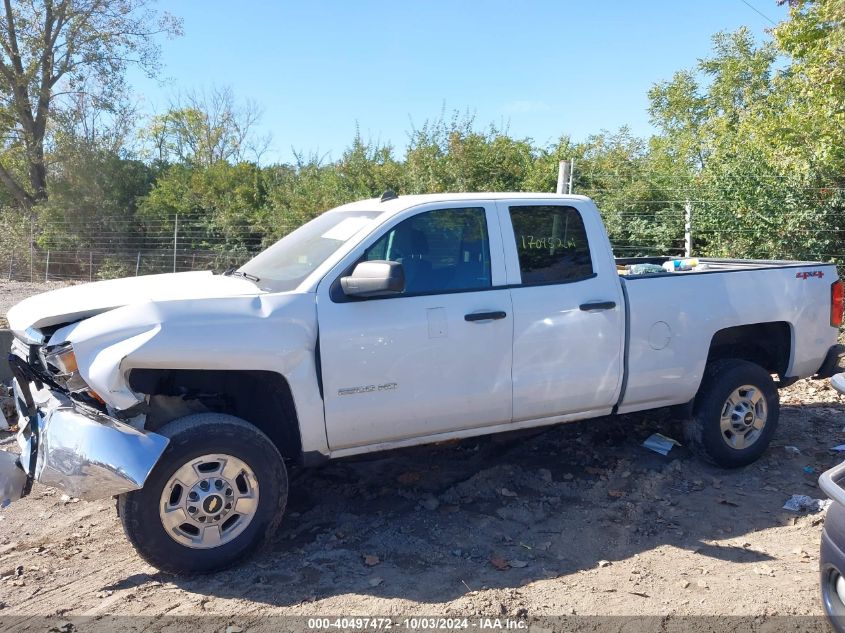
[(659, 443), (499, 562), (8, 412), (803, 503)]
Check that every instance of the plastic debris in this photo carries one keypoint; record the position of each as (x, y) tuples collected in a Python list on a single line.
[(839, 449), (677, 265), (645, 269), (792, 450), (803, 503), (809, 470), (659, 443)]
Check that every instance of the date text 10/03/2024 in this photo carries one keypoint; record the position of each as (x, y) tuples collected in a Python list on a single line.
[(417, 624)]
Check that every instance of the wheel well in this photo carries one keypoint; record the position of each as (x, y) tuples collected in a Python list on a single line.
[(766, 344), (262, 398)]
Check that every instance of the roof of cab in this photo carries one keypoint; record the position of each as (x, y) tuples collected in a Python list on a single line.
[(400, 203)]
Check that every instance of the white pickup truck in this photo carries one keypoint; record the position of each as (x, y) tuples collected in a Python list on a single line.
[(387, 323)]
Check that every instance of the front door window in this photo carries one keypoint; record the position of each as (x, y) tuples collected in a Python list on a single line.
[(441, 251)]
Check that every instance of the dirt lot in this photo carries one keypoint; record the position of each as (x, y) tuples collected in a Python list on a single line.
[(12, 292), (574, 520)]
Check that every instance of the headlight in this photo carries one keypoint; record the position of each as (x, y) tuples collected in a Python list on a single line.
[(61, 358)]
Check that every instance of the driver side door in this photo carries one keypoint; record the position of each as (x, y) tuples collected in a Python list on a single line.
[(432, 359)]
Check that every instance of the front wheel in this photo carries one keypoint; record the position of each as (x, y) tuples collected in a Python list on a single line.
[(735, 413), (217, 492)]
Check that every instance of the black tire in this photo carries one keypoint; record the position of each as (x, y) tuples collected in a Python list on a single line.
[(192, 437), (702, 430)]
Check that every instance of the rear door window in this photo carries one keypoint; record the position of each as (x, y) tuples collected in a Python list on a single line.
[(551, 243)]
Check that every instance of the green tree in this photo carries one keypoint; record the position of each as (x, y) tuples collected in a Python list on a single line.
[(50, 49), (92, 208), (451, 155), (204, 128), (218, 208), (735, 123)]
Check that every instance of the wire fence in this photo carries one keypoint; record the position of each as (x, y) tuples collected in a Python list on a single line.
[(117, 247), (111, 247)]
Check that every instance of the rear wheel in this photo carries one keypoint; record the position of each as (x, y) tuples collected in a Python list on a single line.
[(218, 490), (735, 413)]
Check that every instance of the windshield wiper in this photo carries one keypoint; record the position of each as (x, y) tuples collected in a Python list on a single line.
[(239, 273)]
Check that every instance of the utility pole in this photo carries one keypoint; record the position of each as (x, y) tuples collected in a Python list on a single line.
[(175, 238), (565, 168), (31, 247), (688, 229), (564, 176)]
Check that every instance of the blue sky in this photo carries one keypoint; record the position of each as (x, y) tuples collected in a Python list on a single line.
[(541, 67)]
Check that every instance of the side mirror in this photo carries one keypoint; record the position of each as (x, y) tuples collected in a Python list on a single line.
[(373, 279)]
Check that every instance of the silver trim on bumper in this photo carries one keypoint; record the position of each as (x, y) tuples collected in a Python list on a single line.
[(86, 453), (12, 479)]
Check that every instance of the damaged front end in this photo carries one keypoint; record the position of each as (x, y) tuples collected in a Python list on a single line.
[(66, 439)]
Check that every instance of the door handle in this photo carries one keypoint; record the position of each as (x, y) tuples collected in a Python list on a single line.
[(485, 316), (595, 306)]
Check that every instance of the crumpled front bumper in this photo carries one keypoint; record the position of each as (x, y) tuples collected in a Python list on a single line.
[(79, 450), (13, 479)]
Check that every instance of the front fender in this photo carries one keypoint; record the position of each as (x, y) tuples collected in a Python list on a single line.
[(271, 332)]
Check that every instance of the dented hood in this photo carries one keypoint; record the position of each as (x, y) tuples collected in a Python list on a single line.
[(78, 302)]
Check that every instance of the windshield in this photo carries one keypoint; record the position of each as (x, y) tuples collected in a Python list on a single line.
[(289, 261)]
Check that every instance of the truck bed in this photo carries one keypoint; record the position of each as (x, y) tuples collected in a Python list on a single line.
[(673, 316), (715, 264)]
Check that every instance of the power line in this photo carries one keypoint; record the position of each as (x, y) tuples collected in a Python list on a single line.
[(758, 12)]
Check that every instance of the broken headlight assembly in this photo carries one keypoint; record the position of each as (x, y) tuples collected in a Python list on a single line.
[(61, 362)]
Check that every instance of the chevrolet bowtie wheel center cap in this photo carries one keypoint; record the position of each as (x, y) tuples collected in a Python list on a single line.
[(208, 501)]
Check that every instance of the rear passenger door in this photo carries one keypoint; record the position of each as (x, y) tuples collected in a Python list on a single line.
[(568, 310)]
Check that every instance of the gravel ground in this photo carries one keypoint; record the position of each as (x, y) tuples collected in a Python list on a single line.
[(575, 520)]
